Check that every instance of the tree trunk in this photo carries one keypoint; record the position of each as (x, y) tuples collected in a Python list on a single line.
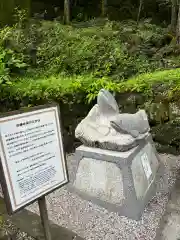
[(67, 11), (173, 15), (178, 25), (104, 8), (139, 11)]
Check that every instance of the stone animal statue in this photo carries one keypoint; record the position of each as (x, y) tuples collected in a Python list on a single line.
[(104, 127)]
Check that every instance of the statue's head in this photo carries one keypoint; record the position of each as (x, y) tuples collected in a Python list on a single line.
[(107, 103)]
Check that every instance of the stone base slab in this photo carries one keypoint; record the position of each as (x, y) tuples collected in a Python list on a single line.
[(140, 169)]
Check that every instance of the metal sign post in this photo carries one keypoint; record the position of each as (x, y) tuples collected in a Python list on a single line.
[(44, 217)]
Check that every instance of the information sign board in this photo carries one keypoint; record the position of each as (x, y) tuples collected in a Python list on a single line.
[(32, 157)]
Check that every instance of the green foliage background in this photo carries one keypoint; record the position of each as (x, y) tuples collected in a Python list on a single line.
[(46, 61)]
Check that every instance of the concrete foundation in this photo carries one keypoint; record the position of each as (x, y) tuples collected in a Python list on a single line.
[(123, 182)]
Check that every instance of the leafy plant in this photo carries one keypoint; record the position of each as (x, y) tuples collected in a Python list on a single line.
[(4, 71), (105, 48), (102, 50)]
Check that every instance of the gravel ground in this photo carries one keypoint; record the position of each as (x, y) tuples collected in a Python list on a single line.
[(9, 232), (96, 223)]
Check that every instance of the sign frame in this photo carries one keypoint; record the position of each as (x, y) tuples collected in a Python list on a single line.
[(2, 174)]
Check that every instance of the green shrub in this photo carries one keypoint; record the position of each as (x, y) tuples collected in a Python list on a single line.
[(105, 50), (119, 50), (12, 62), (78, 51), (77, 94), (101, 49), (160, 82), (160, 86), (4, 71)]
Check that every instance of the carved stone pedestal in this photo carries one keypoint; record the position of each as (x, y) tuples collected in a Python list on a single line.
[(123, 182)]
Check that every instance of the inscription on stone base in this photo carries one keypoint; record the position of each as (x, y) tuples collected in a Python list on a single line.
[(144, 167)]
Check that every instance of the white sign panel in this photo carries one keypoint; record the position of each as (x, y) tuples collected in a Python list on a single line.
[(32, 156), (146, 165)]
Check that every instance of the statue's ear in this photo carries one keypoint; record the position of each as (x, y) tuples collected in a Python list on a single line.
[(93, 113), (118, 127), (105, 98)]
